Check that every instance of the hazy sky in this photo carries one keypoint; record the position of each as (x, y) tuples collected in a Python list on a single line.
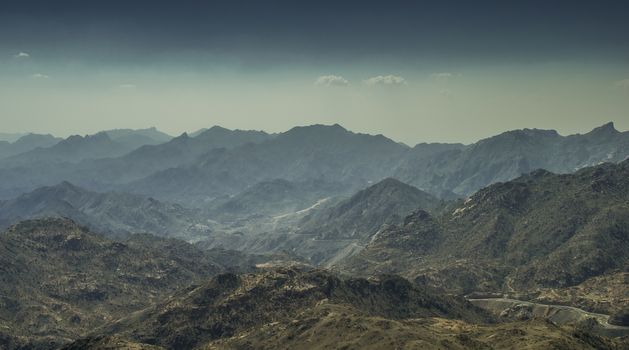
[(415, 71)]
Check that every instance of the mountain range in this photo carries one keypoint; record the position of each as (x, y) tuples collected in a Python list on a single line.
[(317, 237), (26, 143), (463, 170), (219, 162), (541, 230), (100, 163), (113, 213), (326, 153), (312, 309)]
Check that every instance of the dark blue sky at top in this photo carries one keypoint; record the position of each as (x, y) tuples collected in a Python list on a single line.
[(493, 31)]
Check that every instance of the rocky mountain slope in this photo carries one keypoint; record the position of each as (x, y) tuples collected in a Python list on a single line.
[(229, 305), (330, 229), (60, 280), (362, 215), (541, 230), (313, 309)]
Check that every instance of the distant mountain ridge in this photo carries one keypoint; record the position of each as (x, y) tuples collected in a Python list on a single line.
[(72, 149), (134, 138), (218, 162), (466, 169), (24, 174), (328, 153), (11, 137), (113, 213), (26, 143), (75, 148)]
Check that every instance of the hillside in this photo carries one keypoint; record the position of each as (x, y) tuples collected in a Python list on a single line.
[(541, 230), (60, 280), (360, 216), (232, 304), (329, 229), (301, 309)]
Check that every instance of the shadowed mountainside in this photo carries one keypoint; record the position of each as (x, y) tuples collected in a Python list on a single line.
[(540, 230)]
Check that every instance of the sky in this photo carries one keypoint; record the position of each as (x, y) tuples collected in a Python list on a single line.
[(415, 71)]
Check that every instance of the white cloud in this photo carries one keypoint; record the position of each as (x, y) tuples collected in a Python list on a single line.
[(624, 84), (21, 55), (385, 80), (331, 80), (40, 76), (127, 86), (444, 76)]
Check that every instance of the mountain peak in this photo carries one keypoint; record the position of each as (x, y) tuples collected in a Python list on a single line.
[(605, 129), (526, 132), (218, 128), (318, 128), (66, 185), (390, 181), (183, 136), (30, 138), (391, 185), (100, 137)]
